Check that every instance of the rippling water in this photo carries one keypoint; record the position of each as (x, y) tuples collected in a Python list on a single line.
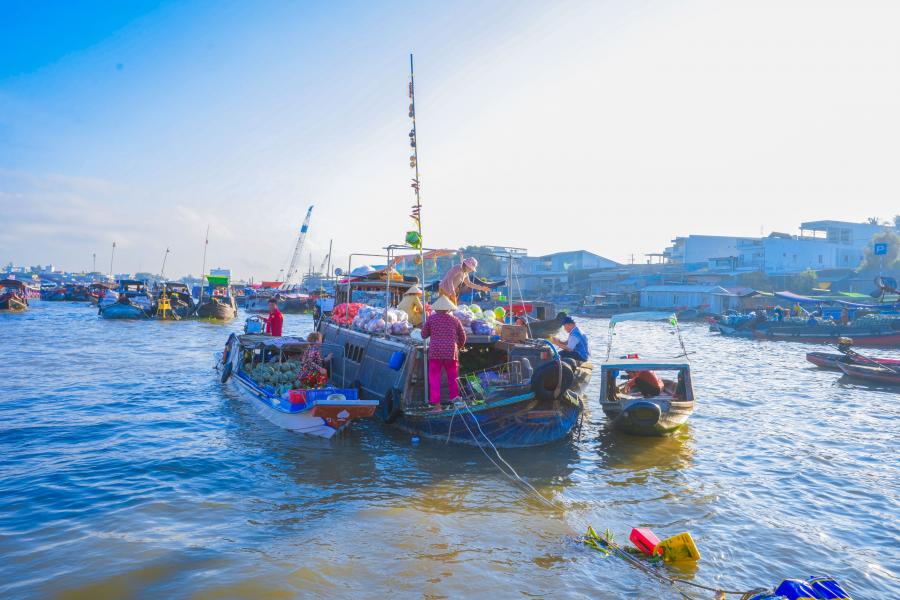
[(127, 470)]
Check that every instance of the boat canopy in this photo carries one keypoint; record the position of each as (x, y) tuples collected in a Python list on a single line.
[(798, 298), (645, 364), (642, 316), (12, 283), (217, 279)]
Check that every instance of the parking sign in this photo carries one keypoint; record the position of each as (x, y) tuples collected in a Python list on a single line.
[(880, 249)]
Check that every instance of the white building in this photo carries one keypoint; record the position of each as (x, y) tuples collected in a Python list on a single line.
[(698, 249), (707, 298)]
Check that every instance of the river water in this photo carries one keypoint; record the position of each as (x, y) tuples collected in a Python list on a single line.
[(128, 470)]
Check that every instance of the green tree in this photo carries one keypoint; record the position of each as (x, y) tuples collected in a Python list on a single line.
[(872, 220), (756, 280), (890, 260), (803, 283)]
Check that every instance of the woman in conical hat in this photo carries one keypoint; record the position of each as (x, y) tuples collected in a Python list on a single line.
[(412, 305), (447, 337)]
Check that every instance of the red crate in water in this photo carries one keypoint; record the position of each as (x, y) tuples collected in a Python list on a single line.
[(645, 540)]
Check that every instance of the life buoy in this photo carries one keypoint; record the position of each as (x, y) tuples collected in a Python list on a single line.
[(392, 405), (546, 379)]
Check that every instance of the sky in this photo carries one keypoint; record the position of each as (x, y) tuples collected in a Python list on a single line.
[(605, 126)]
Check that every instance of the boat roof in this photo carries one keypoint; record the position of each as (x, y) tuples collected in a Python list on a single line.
[(645, 364), (642, 316), (12, 283)]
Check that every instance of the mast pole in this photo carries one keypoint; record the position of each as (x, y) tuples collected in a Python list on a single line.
[(111, 257), (162, 271), (417, 209), (203, 268)]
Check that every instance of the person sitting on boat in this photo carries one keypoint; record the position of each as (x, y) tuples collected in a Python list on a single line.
[(313, 373), (275, 320), (447, 337), (576, 346), (457, 278), (647, 383), (412, 305), (845, 316)]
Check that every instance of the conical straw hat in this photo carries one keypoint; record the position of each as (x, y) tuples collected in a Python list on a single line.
[(443, 303)]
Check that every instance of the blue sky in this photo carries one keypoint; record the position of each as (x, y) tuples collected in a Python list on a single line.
[(606, 126)]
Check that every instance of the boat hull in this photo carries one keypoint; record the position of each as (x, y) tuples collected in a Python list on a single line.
[(826, 360), (12, 303), (648, 416), (871, 374), (822, 335), (520, 423), (218, 309), (121, 310), (324, 419)]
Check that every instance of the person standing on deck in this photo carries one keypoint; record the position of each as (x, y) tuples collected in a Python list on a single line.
[(457, 278), (412, 305), (447, 337), (576, 346), (275, 320)]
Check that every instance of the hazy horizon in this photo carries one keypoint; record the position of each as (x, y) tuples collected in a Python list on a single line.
[(607, 127)]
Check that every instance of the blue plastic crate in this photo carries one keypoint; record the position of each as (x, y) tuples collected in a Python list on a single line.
[(323, 393)]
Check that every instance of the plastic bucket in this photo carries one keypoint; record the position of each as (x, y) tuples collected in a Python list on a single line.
[(396, 360)]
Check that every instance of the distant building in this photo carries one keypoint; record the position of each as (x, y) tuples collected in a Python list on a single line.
[(699, 249), (551, 272), (714, 299), (220, 272)]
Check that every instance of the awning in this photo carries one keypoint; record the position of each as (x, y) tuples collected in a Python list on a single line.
[(643, 316)]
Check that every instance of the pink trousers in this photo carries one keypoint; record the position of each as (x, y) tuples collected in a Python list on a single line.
[(435, 367)]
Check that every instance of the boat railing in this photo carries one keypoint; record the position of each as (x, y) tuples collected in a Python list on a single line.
[(481, 385)]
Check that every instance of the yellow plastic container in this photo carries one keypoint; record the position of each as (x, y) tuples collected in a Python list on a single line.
[(678, 548)]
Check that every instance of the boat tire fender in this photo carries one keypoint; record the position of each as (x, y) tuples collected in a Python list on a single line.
[(643, 413), (545, 380), (226, 359), (393, 405)]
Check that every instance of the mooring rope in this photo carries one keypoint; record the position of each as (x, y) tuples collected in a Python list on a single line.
[(514, 476)]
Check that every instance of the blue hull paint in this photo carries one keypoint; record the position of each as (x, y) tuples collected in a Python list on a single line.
[(517, 424), (123, 311)]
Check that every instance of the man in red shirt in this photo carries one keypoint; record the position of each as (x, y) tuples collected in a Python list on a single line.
[(647, 383), (275, 319)]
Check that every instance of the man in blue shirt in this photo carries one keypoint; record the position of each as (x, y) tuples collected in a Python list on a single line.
[(576, 346)]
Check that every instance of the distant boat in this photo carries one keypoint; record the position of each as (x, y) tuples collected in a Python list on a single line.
[(13, 295), (883, 333), (130, 301), (218, 303)]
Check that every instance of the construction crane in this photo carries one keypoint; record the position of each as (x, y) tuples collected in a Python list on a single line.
[(298, 252)]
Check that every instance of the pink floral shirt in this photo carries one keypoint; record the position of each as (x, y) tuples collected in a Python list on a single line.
[(447, 336)]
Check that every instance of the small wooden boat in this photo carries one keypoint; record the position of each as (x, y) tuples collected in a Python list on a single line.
[(218, 303), (653, 411), (879, 374), (830, 360), (98, 290), (13, 295), (638, 415), (255, 363)]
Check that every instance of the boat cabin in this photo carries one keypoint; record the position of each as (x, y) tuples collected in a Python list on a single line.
[(132, 287), (12, 285), (622, 380)]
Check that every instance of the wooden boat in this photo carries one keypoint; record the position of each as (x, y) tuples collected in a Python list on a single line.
[(519, 394), (645, 414), (830, 360), (76, 292), (879, 374), (218, 302), (319, 412), (174, 301), (13, 295), (883, 334), (637, 415), (130, 301)]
